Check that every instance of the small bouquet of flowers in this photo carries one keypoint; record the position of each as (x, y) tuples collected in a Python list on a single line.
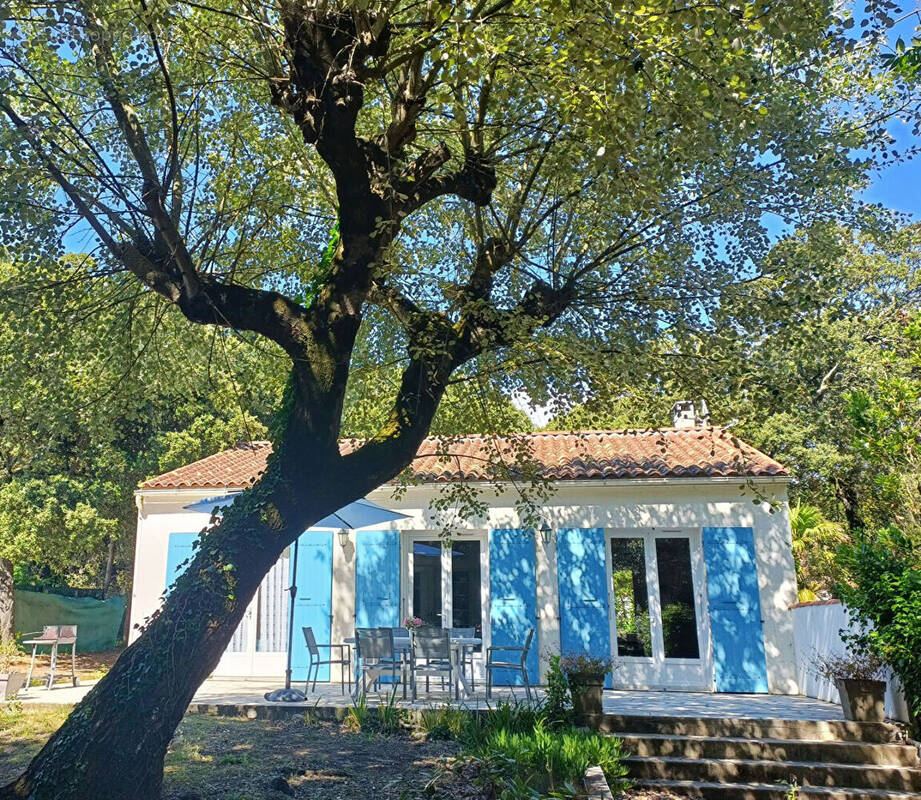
[(412, 622)]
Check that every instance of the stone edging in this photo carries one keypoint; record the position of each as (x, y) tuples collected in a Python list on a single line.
[(596, 785)]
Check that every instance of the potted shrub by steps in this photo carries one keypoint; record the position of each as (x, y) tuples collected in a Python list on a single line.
[(10, 682), (859, 676), (586, 676)]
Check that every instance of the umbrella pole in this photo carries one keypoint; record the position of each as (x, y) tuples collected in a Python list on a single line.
[(293, 591)]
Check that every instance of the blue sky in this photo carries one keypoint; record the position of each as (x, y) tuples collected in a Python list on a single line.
[(899, 186)]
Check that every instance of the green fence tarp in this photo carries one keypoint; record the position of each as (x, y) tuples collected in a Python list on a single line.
[(99, 622)]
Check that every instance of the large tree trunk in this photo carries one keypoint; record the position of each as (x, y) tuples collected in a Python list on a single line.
[(7, 631), (113, 745)]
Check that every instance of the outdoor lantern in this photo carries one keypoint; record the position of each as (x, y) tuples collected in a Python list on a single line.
[(343, 537), (546, 533)]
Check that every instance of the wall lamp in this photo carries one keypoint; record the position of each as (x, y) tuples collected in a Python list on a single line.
[(546, 532), (343, 537)]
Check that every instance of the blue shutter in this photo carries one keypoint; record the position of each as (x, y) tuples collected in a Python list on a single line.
[(584, 626), (513, 597), (178, 551), (377, 579), (735, 610), (313, 605)]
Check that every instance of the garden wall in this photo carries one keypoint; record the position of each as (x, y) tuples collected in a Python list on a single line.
[(817, 628)]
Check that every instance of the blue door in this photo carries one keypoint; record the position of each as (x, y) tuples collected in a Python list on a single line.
[(735, 610), (584, 628), (513, 598), (377, 579), (313, 604), (178, 553)]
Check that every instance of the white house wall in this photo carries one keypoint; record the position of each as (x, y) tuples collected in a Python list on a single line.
[(613, 505)]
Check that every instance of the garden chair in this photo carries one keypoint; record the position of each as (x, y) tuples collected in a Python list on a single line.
[(466, 652), (375, 653), (434, 646), (344, 661), (506, 662)]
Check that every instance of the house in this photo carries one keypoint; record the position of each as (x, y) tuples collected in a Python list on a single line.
[(667, 548)]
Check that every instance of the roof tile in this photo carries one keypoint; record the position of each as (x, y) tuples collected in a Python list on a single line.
[(551, 455)]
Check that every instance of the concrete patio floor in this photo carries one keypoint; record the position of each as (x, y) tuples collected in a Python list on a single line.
[(217, 692)]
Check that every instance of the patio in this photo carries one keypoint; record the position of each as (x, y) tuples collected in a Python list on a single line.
[(224, 695)]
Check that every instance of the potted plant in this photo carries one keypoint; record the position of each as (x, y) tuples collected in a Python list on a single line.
[(586, 676), (860, 678), (10, 681)]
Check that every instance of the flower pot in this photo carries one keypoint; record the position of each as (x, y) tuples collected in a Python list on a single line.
[(10, 683), (862, 701), (586, 698)]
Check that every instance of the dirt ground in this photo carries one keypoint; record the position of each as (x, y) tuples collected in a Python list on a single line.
[(238, 759)]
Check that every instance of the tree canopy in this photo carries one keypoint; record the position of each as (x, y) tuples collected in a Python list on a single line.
[(529, 191)]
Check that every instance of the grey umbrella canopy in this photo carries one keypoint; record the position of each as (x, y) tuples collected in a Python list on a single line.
[(357, 514)]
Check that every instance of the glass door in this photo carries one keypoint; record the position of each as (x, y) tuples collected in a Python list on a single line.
[(658, 619), (445, 583)]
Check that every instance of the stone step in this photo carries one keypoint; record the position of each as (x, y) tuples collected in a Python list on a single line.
[(710, 790), (731, 770), (754, 728), (667, 745)]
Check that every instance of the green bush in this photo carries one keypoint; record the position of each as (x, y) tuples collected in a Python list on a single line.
[(884, 599), (543, 761), (558, 700)]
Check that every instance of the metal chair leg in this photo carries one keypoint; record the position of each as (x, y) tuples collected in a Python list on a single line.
[(73, 663), (31, 667), (488, 683), (54, 664), (527, 684)]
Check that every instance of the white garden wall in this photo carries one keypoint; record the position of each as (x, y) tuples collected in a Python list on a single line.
[(817, 630)]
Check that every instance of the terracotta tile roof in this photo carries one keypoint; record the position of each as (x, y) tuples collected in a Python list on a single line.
[(584, 455)]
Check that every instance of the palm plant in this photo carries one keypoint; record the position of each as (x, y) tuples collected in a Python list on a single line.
[(816, 541)]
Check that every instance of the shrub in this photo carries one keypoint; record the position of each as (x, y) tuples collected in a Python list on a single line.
[(558, 700), (884, 600), (856, 664), (519, 765), (579, 664)]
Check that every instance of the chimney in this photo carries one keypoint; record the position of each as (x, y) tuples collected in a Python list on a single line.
[(685, 415)]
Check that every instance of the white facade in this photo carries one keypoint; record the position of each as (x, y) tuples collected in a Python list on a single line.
[(637, 508)]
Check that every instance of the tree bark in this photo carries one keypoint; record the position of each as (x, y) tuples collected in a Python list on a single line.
[(113, 745), (7, 630)]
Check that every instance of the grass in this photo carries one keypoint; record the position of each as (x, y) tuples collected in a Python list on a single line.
[(22, 733)]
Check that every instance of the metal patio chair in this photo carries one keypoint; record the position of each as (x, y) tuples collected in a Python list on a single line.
[(374, 652), (434, 646), (53, 636), (466, 652), (519, 665), (344, 661)]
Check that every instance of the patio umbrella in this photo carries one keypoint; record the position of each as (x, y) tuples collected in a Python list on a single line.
[(357, 514)]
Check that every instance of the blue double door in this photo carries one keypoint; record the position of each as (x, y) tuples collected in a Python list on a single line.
[(678, 609), (485, 582)]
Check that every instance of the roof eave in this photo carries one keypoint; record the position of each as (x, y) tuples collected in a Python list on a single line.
[(583, 482)]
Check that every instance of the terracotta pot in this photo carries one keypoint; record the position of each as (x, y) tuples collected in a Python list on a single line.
[(586, 698), (862, 701), (10, 683)]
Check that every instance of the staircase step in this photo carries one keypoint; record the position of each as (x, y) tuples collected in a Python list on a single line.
[(819, 774), (667, 745), (710, 790), (755, 728)]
